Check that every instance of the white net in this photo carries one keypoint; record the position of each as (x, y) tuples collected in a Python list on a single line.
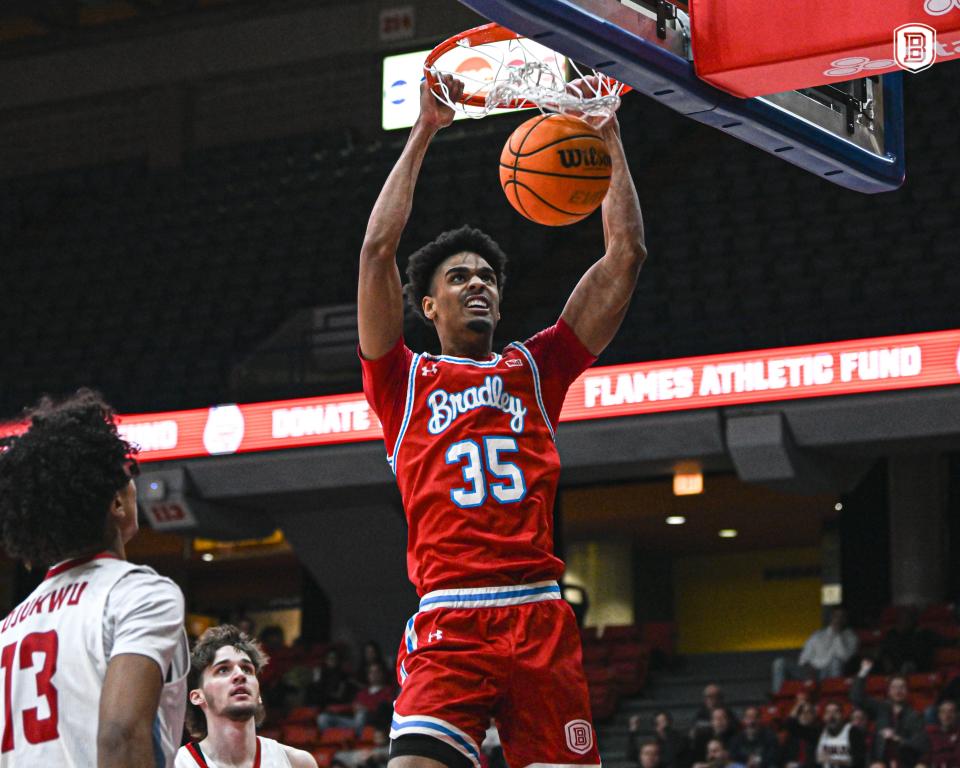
[(520, 73)]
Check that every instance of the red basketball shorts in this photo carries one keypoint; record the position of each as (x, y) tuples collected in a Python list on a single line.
[(510, 653)]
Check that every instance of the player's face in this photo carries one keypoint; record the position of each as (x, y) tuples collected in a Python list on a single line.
[(464, 295), (230, 686)]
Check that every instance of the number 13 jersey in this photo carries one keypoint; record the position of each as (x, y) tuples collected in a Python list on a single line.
[(56, 646), (472, 445)]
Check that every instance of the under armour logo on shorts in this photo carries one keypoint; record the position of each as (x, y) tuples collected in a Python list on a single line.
[(579, 736), (438, 635)]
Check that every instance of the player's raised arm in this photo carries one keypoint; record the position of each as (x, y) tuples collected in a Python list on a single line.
[(380, 295), (597, 306)]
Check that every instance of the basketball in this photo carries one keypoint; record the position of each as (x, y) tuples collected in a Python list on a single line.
[(555, 169)]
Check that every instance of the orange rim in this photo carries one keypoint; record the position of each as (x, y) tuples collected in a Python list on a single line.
[(485, 33)]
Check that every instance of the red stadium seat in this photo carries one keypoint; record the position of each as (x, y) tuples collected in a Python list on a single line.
[(790, 689), (946, 657), (877, 685), (299, 735), (628, 650), (595, 653), (770, 715), (324, 756), (939, 613), (598, 675), (302, 715), (923, 681), (333, 737), (835, 687), (920, 701)]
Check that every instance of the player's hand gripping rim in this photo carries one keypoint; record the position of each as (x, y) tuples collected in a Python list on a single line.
[(434, 113)]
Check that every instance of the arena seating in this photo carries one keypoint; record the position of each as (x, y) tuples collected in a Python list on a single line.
[(940, 618), (616, 663), (125, 261)]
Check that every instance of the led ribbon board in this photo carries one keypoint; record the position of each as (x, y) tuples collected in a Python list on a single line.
[(788, 373)]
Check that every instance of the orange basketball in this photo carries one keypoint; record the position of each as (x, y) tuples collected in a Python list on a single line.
[(555, 169)]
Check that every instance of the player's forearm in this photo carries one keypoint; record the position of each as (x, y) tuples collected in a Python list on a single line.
[(622, 220), (393, 206), (123, 745)]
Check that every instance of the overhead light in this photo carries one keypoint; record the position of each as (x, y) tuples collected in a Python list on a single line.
[(206, 557), (838, 506), (676, 520), (687, 479), (727, 533)]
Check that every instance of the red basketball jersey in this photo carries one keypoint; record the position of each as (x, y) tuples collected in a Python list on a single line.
[(472, 445)]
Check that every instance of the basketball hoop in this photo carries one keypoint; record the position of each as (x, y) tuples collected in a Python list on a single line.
[(501, 70)]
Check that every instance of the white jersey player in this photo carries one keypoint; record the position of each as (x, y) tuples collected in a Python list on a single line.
[(94, 661), (224, 707)]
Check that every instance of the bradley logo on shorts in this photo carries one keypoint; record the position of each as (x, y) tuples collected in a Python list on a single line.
[(579, 736)]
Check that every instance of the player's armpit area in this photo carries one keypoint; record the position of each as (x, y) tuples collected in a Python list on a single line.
[(128, 707)]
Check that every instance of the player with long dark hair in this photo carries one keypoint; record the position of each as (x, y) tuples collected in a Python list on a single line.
[(95, 659)]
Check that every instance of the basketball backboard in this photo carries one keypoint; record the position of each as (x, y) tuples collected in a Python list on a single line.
[(848, 131)]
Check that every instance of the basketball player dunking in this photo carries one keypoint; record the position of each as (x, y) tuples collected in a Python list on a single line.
[(94, 661), (469, 435)]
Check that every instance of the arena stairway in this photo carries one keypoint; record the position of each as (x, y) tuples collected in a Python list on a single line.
[(744, 678)]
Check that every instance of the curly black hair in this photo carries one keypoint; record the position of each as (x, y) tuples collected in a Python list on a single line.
[(204, 652), (423, 263), (58, 478)]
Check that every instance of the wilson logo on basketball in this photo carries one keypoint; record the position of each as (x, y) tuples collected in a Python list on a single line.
[(586, 158)]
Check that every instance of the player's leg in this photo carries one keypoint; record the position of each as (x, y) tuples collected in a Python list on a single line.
[(545, 716), (450, 667)]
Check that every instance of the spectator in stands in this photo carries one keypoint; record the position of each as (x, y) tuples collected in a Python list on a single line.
[(371, 654), (944, 739), (860, 719), (949, 692), (372, 705), (841, 745), (331, 686), (906, 648), (755, 745), (272, 639), (803, 735), (717, 756), (246, 625), (650, 755), (900, 737), (673, 746), (824, 654), (712, 698), (722, 728)]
